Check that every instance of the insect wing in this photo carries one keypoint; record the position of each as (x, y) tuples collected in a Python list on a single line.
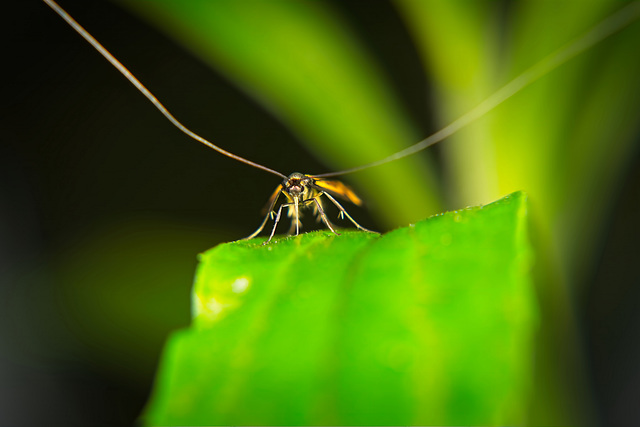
[(338, 188)]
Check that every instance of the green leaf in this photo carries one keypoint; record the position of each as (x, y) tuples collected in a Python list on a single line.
[(428, 324)]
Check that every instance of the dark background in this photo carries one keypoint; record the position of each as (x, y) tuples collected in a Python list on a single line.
[(104, 207)]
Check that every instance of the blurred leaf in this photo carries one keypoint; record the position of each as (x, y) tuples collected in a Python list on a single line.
[(458, 41), (303, 64), (122, 288), (566, 140), (575, 127), (428, 324)]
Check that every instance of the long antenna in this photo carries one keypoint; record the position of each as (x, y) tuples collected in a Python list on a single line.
[(125, 72), (599, 32)]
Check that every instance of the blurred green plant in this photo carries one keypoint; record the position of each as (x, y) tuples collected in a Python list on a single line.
[(430, 324), (565, 139)]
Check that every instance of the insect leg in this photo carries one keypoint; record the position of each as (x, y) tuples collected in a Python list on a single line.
[(264, 222), (296, 222), (296, 215), (345, 213), (275, 224), (323, 215), (272, 203)]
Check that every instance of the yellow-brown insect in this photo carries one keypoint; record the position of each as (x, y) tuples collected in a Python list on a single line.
[(305, 191)]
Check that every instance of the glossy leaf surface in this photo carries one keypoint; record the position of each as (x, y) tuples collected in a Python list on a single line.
[(428, 324)]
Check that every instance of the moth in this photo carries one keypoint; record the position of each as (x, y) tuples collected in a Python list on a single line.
[(298, 192)]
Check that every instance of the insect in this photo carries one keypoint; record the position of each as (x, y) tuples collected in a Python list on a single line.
[(302, 191)]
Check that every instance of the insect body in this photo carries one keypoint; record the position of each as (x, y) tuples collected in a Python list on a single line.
[(305, 191)]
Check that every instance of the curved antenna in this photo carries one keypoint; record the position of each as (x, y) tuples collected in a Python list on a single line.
[(125, 72), (599, 32)]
